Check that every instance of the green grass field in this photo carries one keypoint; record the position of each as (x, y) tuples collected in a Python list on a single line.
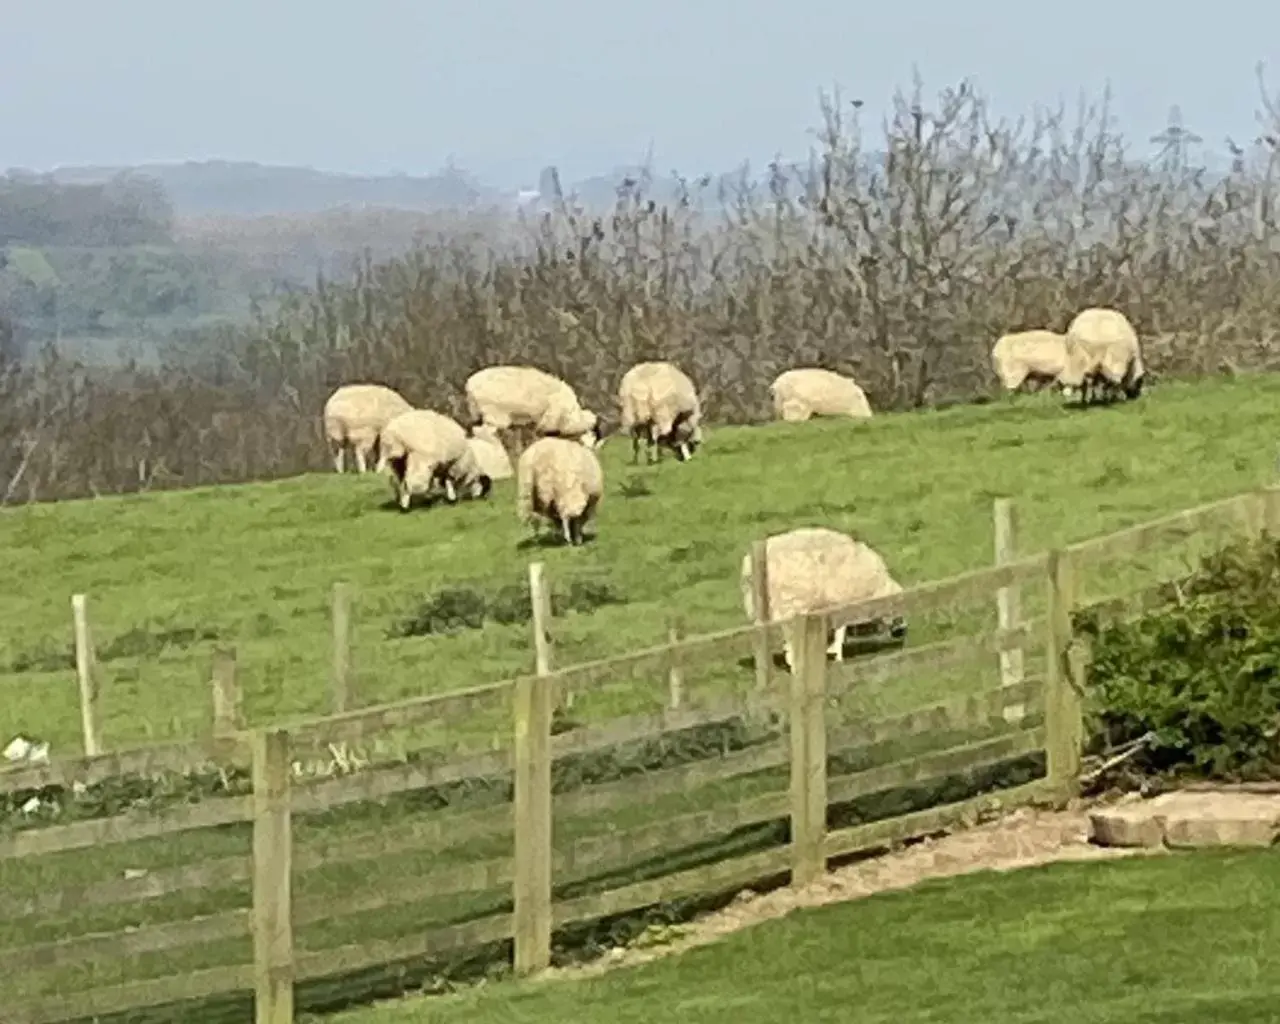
[(169, 575), (1175, 940)]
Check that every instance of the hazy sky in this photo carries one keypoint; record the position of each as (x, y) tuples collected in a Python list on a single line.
[(505, 86)]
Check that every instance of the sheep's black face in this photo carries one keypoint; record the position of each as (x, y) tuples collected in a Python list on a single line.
[(482, 487), (898, 628), (683, 439)]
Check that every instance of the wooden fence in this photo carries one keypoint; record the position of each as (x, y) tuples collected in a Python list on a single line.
[(541, 852), (225, 692)]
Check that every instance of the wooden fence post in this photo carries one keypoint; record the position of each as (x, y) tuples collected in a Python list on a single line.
[(273, 965), (1064, 681), (1271, 505), (1008, 599), (540, 602), (675, 673), (86, 675), (1271, 511), (227, 717), (1253, 514), (341, 681), (808, 730), (533, 703), (760, 607)]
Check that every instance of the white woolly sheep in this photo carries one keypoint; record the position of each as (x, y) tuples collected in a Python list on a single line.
[(489, 454), (814, 569), (354, 415), (1029, 360), (561, 480), (660, 404), (812, 391), (510, 397), (421, 448), (1103, 356)]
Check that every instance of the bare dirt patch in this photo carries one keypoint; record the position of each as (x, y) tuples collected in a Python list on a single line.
[(1023, 838)]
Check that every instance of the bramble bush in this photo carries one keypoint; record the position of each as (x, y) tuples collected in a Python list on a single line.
[(1202, 672)]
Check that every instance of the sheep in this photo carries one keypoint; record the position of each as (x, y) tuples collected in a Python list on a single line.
[(812, 391), (1029, 360), (660, 403), (561, 480), (1103, 355), (353, 417), (814, 569), (493, 459), (505, 397), (422, 447)]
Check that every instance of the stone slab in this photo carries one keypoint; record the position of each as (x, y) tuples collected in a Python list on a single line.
[(1185, 820), (1125, 825)]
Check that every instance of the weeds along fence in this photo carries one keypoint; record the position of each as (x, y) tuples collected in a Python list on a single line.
[(535, 832)]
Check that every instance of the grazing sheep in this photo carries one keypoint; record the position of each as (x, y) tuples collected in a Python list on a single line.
[(812, 391), (422, 448), (1103, 356), (353, 417), (507, 397), (561, 480), (813, 569), (493, 459), (660, 403), (1029, 360)]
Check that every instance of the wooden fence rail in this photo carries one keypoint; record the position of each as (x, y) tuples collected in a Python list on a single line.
[(346, 723), (810, 753), (1251, 512)]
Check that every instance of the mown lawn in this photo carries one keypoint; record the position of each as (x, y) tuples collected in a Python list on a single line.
[(169, 575), (1175, 940)]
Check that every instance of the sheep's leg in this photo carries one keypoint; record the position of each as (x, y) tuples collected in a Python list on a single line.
[(450, 492), (566, 529), (362, 461), (837, 645), (339, 457), (405, 496), (685, 453), (635, 447), (788, 655)]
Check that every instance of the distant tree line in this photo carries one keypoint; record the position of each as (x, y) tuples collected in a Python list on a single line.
[(95, 265), (130, 209), (897, 256)]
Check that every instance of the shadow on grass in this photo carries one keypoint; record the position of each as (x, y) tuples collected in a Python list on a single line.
[(417, 502), (854, 647), (545, 540)]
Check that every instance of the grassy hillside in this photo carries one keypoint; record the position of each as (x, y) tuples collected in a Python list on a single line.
[(1180, 939), (169, 575)]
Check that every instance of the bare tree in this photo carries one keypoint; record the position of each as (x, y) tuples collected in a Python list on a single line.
[(896, 253)]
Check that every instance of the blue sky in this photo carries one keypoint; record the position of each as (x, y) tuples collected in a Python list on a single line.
[(506, 86)]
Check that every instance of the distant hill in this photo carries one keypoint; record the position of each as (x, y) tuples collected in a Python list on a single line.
[(214, 188), (222, 187)]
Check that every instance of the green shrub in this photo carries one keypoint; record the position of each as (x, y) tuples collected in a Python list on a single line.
[(449, 610), (1200, 673), (456, 608)]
